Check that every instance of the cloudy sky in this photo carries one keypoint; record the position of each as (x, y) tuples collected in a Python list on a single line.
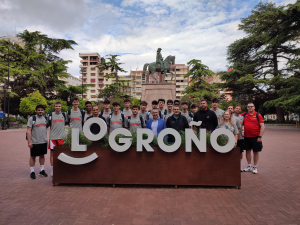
[(134, 29)]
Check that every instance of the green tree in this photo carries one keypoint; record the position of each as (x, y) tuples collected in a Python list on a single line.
[(70, 91), (272, 36), (199, 88), (113, 90), (28, 104)]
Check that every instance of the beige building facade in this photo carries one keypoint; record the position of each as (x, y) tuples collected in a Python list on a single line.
[(92, 75)]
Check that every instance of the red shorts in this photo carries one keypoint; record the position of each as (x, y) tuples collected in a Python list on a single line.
[(53, 143)]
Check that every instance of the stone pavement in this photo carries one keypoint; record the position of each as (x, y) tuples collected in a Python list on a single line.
[(270, 197)]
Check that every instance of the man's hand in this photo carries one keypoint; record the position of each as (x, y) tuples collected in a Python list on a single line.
[(30, 145), (259, 139)]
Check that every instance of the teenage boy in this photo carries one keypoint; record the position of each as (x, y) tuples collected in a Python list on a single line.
[(154, 106), (194, 108), (161, 105), (37, 140), (240, 142), (215, 107), (88, 110), (143, 111), (169, 110), (254, 128), (207, 116), (176, 102), (57, 121), (95, 128), (107, 111), (135, 121), (116, 118), (177, 121), (127, 111), (235, 119), (75, 116), (188, 115)]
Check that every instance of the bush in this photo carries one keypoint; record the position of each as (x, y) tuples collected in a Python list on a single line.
[(23, 121), (82, 139), (12, 119)]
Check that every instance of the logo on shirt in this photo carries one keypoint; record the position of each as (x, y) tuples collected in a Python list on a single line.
[(135, 124), (58, 120), (73, 119), (41, 124), (115, 122)]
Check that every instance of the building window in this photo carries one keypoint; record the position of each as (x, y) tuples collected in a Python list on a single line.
[(177, 69), (128, 89), (92, 69), (133, 94), (93, 91), (93, 80), (93, 74), (138, 93), (93, 96), (138, 88), (107, 79)]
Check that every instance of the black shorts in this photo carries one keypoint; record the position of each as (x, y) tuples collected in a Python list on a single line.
[(251, 143), (38, 149), (240, 144)]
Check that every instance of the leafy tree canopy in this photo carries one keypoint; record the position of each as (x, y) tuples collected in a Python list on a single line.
[(29, 103)]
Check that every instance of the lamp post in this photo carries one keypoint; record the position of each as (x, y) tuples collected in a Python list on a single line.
[(5, 123)]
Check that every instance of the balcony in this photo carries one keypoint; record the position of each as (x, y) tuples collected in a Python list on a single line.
[(82, 65), (94, 60), (83, 71), (179, 89)]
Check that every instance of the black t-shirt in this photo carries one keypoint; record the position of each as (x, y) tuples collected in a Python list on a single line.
[(208, 118), (95, 128), (179, 124)]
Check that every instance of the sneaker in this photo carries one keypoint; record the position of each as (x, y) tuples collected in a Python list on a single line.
[(254, 170), (248, 169), (52, 173), (32, 175), (242, 170), (43, 173)]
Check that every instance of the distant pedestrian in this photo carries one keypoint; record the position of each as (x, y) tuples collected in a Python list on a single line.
[(254, 128)]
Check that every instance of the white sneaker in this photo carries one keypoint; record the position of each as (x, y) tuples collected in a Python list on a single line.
[(248, 169), (52, 173), (254, 170), (242, 169)]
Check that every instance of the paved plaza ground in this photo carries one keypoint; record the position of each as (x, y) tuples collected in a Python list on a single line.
[(270, 197)]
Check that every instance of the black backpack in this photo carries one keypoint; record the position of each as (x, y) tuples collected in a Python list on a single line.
[(122, 115), (82, 115), (141, 119), (50, 118), (33, 122)]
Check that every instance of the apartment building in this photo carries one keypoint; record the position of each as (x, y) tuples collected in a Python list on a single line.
[(179, 71), (11, 39), (126, 80), (73, 80), (216, 79), (92, 75)]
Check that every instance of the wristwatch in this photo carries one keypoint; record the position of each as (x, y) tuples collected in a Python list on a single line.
[(259, 136)]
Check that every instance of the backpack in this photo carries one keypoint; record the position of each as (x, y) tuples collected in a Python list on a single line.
[(191, 115), (50, 118), (122, 115), (82, 116), (141, 119), (33, 122), (257, 117)]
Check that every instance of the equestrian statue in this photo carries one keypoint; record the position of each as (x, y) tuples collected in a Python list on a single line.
[(161, 65)]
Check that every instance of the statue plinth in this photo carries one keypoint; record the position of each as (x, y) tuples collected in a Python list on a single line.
[(156, 91)]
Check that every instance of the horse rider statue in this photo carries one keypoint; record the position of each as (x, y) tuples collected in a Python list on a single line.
[(159, 61)]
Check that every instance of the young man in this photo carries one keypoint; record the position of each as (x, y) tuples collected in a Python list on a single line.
[(215, 107), (75, 116), (88, 110), (154, 106), (176, 102), (37, 140), (127, 111), (254, 128), (107, 111), (57, 121), (188, 115), (95, 128), (135, 121), (161, 105), (143, 111), (169, 110), (116, 119), (177, 121), (240, 142), (194, 108), (235, 119), (156, 124), (207, 116)]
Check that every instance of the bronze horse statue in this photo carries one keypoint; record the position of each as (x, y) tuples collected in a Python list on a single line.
[(170, 60)]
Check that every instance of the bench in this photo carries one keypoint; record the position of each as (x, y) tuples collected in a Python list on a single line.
[(16, 124)]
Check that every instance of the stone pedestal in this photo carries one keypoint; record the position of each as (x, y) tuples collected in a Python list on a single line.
[(156, 91)]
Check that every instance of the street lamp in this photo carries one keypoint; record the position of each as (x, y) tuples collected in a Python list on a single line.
[(8, 89)]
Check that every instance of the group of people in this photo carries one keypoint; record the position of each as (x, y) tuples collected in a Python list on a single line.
[(134, 117)]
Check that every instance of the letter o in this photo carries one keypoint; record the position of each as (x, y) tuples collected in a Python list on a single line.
[(165, 147), (87, 129), (222, 149)]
